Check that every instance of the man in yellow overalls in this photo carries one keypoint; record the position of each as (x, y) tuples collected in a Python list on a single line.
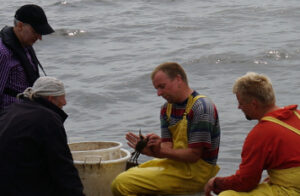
[(187, 151), (272, 145)]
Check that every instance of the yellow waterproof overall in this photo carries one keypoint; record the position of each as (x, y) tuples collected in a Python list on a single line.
[(166, 176), (284, 182)]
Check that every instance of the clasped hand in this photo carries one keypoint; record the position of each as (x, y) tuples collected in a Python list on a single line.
[(153, 145)]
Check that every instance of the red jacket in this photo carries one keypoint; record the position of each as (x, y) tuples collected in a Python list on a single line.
[(267, 146)]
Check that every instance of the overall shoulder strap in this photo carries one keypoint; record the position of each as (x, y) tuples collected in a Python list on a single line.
[(169, 110), (189, 105), (275, 120), (191, 102), (297, 114)]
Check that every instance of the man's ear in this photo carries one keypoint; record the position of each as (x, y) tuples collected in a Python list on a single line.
[(255, 103), (179, 78), (19, 25), (49, 98)]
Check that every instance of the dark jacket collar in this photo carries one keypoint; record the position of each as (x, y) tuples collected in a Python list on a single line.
[(44, 102), (52, 107)]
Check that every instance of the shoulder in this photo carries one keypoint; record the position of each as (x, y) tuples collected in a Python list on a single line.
[(4, 51), (204, 105), (262, 132), (43, 115), (163, 108), (164, 105), (204, 101)]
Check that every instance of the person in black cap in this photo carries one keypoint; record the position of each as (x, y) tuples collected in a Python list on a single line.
[(18, 62)]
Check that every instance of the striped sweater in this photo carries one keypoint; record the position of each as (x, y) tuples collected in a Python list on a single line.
[(203, 126)]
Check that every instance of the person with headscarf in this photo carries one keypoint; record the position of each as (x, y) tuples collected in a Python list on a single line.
[(35, 157)]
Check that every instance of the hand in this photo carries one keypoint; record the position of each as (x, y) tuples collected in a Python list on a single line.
[(154, 144), (209, 187), (267, 179), (132, 139)]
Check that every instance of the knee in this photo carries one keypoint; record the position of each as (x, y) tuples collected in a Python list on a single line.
[(113, 188), (228, 193), (116, 185)]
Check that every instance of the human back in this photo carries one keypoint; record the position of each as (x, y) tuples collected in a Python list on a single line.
[(271, 145), (36, 159), (25, 169), (282, 143)]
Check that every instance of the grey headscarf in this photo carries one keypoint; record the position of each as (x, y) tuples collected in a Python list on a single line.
[(44, 86)]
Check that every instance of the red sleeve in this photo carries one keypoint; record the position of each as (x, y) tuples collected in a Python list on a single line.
[(254, 155)]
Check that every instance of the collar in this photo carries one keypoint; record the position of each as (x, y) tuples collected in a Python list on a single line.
[(44, 102), (284, 112), (11, 41), (194, 93)]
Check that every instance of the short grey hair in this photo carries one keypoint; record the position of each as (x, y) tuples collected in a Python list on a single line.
[(16, 21)]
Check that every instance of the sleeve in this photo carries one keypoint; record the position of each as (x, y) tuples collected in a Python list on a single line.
[(202, 123), (4, 70), (60, 161), (164, 124), (254, 156)]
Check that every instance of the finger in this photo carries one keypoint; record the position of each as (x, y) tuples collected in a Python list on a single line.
[(207, 193), (132, 142), (152, 142), (130, 134), (131, 145), (154, 137), (132, 137), (150, 134)]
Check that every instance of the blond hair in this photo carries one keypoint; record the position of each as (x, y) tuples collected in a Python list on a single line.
[(254, 85), (171, 69)]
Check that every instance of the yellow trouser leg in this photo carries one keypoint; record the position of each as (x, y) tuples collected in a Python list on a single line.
[(150, 180), (135, 181), (264, 189), (163, 176), (282, 182)]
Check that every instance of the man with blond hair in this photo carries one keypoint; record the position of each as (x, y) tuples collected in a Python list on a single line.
[(187, 151), (35, 157), (272, 145)]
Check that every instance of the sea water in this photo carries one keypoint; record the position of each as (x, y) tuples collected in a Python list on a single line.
[(105, 50)]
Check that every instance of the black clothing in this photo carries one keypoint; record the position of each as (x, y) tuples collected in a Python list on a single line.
[(35, 159)]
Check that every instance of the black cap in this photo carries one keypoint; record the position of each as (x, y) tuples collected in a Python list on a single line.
[(35, 16)]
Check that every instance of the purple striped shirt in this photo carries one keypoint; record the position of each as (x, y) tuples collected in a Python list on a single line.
[(12, 75)]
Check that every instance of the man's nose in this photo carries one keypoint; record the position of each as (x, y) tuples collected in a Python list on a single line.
[(239, 106), (159, 92), (39, 37)]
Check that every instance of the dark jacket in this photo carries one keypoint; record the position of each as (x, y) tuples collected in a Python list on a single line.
[(35, 159)]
